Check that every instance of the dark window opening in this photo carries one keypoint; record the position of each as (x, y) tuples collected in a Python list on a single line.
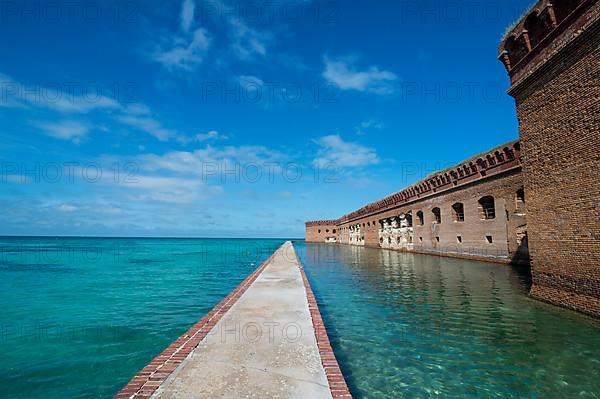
[(409, 219), (520, 201), (420, 218), (437, 214), (487, 208), (458, 212), (489, 239), (459, 239)]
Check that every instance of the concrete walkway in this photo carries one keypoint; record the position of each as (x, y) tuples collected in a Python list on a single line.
[(264, 346)]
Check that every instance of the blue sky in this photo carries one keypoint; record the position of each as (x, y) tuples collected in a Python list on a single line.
[(238, 119)]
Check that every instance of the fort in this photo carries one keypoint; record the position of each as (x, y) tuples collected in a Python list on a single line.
[(474, 210), (534, 201)]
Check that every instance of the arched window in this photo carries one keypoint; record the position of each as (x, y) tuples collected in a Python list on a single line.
[(420, 218), (333, 231), (487, 208), (409, 220), (437, 215), (458, 212)]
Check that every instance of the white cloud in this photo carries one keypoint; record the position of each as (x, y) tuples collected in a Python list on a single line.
[(285, 195), (76, 104), (246, 80), (171, 189), (63, 99), (138, 109), (361, 129), (65, 130), (348, 77), (7, 86), (211, 135), (187, 14), (140, 117), (185, 53), (203, 160), (334, 149), (248, 43), (149, 125), (67, 208)]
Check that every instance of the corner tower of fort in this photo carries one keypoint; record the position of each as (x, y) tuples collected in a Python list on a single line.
[(552, 56)]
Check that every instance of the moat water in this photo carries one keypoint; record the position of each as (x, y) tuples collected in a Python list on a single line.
[(81, 316), (419, 326)]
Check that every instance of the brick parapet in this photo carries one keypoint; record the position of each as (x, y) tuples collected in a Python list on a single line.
[(491, 164), (542, 33), (317, 223)]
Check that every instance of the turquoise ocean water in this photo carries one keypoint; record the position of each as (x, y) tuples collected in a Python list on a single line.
[(81, 316)]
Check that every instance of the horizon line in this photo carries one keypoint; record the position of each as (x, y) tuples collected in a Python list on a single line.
[(153, 237)]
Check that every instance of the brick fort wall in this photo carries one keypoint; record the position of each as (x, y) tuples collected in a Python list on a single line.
[(553, 59)]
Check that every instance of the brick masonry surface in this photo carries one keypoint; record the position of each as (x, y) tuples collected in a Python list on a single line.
[(501, 238), (556, 85)]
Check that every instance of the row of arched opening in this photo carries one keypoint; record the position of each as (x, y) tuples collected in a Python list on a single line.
[(486, 211), (486, 206)]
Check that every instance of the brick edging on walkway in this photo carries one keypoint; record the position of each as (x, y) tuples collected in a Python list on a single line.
[(335, 378), (147, 380)]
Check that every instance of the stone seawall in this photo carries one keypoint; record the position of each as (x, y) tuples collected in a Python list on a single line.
[(265, 339)]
